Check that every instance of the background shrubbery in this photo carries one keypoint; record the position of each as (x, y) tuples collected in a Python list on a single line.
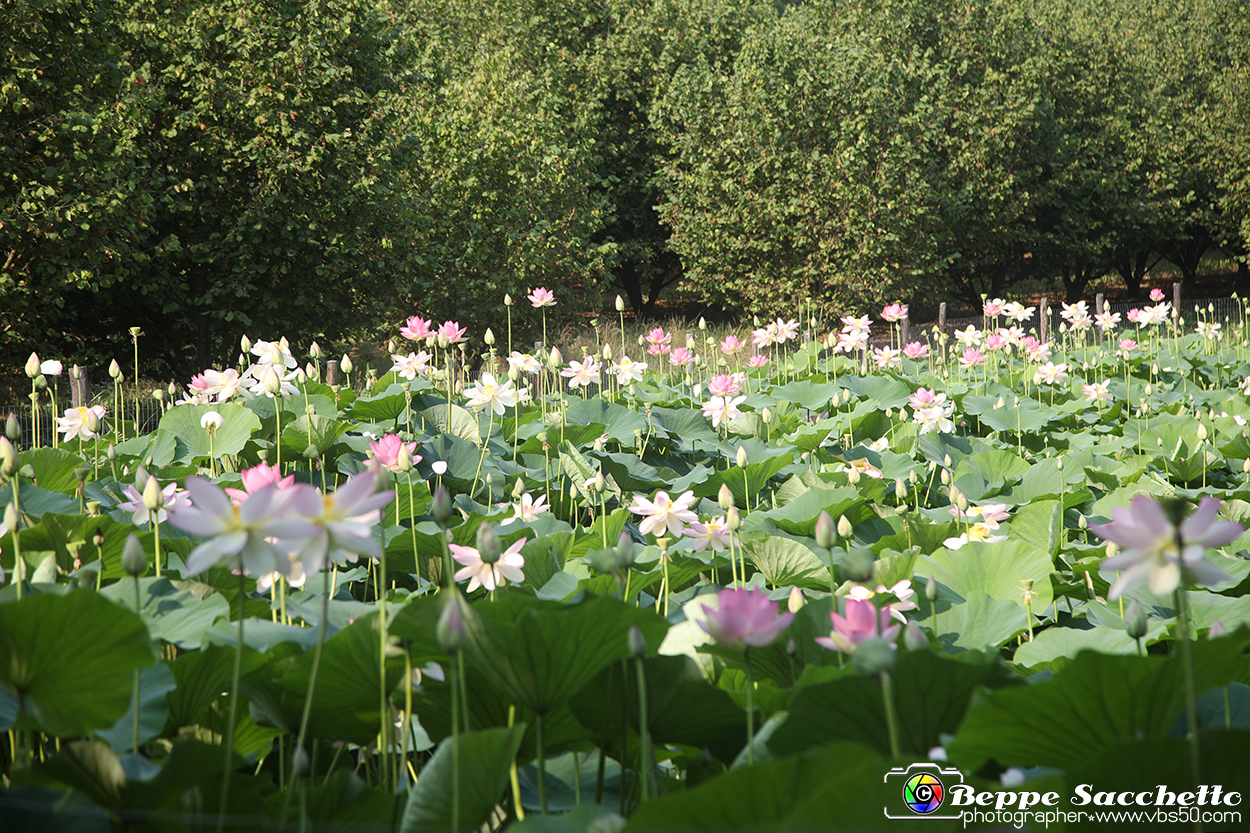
[(312, 168)]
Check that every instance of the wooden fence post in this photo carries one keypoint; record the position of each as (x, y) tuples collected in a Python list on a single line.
[(1043, 319), (332, 372), (79, 387)]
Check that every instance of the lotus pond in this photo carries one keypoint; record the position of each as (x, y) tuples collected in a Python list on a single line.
[(726, 585)]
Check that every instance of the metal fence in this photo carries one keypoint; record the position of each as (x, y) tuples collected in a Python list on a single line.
[(149, 418)]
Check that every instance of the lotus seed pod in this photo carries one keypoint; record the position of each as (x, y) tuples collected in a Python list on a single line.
[(346, 363), (872, 657), (158, 394), (449, 631), (134, 559), (826, 533), (741, 456), (796, 601), (726, 498), (32, 366)]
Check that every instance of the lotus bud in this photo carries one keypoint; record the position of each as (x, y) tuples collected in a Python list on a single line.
[(172, 388), (314, 350), (931, 590), (11, 517), (439, 467), (27, 471), (115, 370), (441, 505), (912, 477), (152, 497), (636, 642), (961, 502), (211, 421), (1201, 432), (514, 375), (889, 413), (98, 537), (620, 304), (245, 344), (134, 559), (41, 382), (488, 545), (826, 533), (1000, 403), (598, 446), (914, 637), (507, 299), (625, 551), (1216, 630), (755, 319), (32, 366), (844, 527), (272, 383), (1082, 522), (742, 457), (726, 498), (1245, 465), (1111, 549), (900, 490), (112, 453), (945, 477), (12, 428), (607, 352), (642, 340), (1135, 619), (852, 476), (857, 565), (489, 338), (8, 458), (766, 415), (450, 628), (689, 380), (241, 359), (554, 359), (732, 519), (346, 363), (872, 657), (796, 600), (1149, 389), (92, 420)]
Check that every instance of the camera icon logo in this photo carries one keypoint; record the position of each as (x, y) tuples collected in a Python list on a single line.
[(923, 788)]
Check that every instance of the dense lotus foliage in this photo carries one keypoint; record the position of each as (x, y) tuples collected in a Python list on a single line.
[(680, 582)]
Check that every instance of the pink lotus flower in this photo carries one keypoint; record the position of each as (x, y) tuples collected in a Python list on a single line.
[(915, 350), (486, 574), (527, 510), (714, 534), (452, 331), (744, 619), (1134, 315), (722, 409), (765, 336), (542, 297), (342, 520), (994, 342), (994, 308), (199, 384), (664, 513), (757, 361), (1156, 294), (926, 398), (140, 515), (76, 423), (893, 312), (786, 330), (680, 357), (1150, 541), (1127, 346), (417, 329), (725, 384), (1107, 320), (658, 336), (730, 345), (1096, 391), (1035, 350), (386, 451), (862, 622), (241, 535), (411, 366), (583, 373), (658, 349), (257, 478), (886, 357), (970, 358), (901, 590), (849, 342)]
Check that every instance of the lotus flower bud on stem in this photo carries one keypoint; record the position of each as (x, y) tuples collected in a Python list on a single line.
[(796, 600), (489, 338), (441, 505), (931, 590), (844, 527), (826, 533), (766, 415), (134, 559), (1135, 619), (914, 637), (726, 498), (8, 458), (13, 429), (449, 631), (152, 497), (620, 304), (507, 299), (488, 546), (636, 642), (742, 457), (115, 370), (32, 366), (346, 363), (872, 657), (245, 344), (732, 519), (625, 551)]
